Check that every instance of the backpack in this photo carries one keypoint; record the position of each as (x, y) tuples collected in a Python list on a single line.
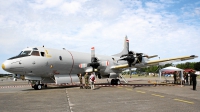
[(93, 78)]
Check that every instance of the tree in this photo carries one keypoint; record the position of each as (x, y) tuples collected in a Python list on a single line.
[(197, 66)]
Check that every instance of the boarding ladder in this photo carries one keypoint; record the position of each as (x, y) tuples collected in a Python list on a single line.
[(122, 77)]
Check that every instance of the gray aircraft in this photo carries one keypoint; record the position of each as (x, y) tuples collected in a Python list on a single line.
[(42, 65)]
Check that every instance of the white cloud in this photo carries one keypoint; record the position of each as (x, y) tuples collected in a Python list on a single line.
[(79, 25), (71, 8)]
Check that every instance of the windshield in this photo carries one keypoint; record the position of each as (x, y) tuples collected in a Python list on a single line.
[(25, 53), (22, 54)]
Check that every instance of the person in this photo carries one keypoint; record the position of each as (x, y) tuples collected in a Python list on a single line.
[(186, 77), (86, 76), (92, 79), (194, 79), (189, 74), (81, 81), (175, 75)]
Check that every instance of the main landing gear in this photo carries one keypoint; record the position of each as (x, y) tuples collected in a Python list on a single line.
[(115, 82), (37, 86)]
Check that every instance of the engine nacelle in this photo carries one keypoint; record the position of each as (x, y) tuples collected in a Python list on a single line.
[(65, 78)]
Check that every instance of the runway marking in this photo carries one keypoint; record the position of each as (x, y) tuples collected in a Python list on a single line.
[(120, 87), (140, 92), (158, 95), (184, 101), (14, 86), (129, 89), (70, 104)]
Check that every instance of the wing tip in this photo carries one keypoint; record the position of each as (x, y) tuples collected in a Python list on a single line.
[(193, 56)]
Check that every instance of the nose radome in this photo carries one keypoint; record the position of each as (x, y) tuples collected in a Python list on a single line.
[(3, 66)]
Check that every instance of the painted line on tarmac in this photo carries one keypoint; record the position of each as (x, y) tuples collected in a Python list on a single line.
[(69, 102), (158, 95), (120, 87), (140, 91), (184, 101), (129, 89), (14, 86)]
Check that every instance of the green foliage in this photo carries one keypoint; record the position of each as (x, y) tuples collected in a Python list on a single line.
[(187, 65), (197, 66)]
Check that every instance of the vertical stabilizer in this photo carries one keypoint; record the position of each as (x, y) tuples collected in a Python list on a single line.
[(126, 47)]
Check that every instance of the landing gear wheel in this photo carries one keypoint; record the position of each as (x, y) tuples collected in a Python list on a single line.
[(115, 82), (118, 82), (35, 87), (38, 87)]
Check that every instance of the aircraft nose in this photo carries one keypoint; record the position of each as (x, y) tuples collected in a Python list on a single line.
[(3, 66)]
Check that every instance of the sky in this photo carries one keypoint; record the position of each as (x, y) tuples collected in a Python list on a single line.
[(168, 28)]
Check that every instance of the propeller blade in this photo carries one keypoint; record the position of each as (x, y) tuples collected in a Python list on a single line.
[(153, 56), (92, 52), (127, 41)]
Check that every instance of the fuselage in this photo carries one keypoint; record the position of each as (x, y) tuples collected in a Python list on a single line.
[(47, 62)]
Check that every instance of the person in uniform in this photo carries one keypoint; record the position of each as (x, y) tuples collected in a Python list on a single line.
[(81, 81), (189, 74), (175, 76), (186, 77), (194, 79), (86, 76)]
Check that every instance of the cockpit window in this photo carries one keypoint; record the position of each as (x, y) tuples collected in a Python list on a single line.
[(42, 54), (22, 54), (35, 53), (25, 53)]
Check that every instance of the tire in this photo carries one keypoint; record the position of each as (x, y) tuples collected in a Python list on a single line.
[(118, 82), (35, 87), (39, 86)]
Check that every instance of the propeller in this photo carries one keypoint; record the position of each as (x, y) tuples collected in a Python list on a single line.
[(132, 58), (94, 61)]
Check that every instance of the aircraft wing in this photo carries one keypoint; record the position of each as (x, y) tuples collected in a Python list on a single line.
[(170, 60), (157, 62)]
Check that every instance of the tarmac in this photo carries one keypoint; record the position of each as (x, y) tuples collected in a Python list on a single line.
[(20, 97)]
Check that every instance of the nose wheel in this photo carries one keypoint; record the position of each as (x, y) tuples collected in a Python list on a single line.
[(115, 82)]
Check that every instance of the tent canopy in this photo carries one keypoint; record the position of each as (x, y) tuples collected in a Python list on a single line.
[(171, 69)]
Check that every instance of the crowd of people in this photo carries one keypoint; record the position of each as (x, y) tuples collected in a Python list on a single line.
[(189, 78), (88, 78)]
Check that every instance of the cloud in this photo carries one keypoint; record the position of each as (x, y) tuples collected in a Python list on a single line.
[(153, 27)]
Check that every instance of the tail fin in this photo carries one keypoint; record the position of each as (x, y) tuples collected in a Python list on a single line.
[(126, 48)]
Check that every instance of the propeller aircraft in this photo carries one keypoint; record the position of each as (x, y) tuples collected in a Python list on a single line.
[(42, 65)]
